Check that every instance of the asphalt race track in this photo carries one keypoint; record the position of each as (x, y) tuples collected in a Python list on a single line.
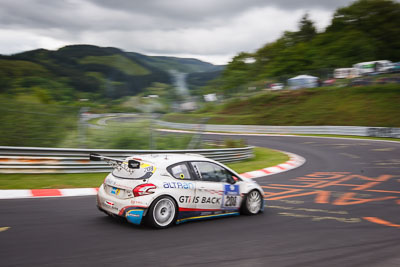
[(341, 208)]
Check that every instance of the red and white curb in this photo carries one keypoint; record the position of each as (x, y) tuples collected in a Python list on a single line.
[(294, 162), (35, 193)]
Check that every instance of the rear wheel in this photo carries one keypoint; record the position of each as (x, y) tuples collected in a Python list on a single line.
[(162, 212), (252, 203)]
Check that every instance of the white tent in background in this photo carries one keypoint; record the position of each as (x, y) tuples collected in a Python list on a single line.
[(303, 81)]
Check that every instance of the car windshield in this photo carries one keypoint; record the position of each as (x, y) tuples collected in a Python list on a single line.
[(145, 171)]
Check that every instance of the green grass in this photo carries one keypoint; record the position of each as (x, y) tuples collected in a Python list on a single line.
[(351, 136), (263, 158), (376, 105)]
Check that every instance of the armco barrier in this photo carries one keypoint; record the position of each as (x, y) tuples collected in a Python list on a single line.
[(70, 160), (336, 130)]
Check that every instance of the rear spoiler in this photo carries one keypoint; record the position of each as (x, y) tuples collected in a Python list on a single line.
[(129, 165)]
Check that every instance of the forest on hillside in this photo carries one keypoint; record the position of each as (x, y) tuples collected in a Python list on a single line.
[(363, 31), (90, 72)]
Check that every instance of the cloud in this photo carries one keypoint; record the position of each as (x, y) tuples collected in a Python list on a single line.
[(204, 29), (17, 41), (197, 10)]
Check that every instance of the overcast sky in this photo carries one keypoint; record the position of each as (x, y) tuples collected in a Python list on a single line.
[(211, 30)]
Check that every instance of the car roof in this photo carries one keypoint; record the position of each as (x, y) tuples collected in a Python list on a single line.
[(164, 160)]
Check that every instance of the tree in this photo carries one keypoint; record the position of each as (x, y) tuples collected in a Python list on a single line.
[(307, 29), (378, 19), (236, 73)]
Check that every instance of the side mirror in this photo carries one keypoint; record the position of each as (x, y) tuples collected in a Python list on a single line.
[(233, 180), (95, 157), (133, 164)]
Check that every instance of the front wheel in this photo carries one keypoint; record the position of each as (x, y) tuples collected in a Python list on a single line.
[(162, 212), (252, 203)]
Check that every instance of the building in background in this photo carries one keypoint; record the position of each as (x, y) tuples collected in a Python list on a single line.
[(370, 67), (303, 81), (345, 73)]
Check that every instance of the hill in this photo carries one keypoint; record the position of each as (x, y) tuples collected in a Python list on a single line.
[(186, 65), (87, 71)]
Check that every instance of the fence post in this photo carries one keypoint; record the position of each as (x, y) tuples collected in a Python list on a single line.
[(197, 137), (82, 126)]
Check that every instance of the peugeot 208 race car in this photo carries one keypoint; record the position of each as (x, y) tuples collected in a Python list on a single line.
[(163, 189)]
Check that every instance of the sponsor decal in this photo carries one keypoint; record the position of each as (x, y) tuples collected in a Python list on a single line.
[(147, 169), (231, 189), (211, 200), (186, 199), (178, 185), (203, 200), (134, 216), (115, 191), (136, 202)]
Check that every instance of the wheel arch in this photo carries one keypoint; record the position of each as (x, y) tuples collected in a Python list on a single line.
[(163, 195), (243, 203)]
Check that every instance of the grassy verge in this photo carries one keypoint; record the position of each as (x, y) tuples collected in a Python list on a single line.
[(311, 135), (351, 136), (376, 105), (263, 158)]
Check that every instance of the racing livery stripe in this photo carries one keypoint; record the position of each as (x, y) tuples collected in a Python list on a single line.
[(207, 216), (188, 209)]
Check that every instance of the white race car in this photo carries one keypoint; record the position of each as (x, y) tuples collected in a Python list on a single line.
[(163, 189)]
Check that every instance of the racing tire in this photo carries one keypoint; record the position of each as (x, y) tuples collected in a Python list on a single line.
[(162, 212), (252, 203)]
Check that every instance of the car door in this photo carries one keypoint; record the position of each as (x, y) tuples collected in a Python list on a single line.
[(215, 187), (182, 188)]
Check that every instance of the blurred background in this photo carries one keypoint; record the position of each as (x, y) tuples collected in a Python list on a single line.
[(341, 68)]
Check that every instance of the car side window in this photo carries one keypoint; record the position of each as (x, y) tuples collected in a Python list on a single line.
[(180, 171), (211, 172)]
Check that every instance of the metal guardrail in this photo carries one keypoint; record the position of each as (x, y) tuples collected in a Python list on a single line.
[(70, 160), (336, 130)]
